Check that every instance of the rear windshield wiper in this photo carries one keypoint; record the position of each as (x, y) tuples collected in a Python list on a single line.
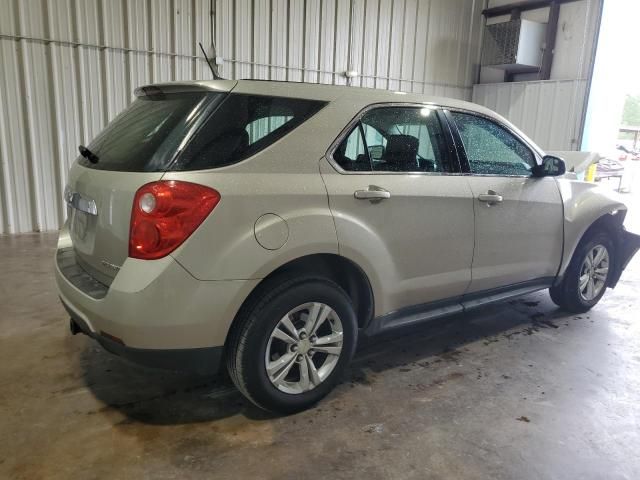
[(88, 154)]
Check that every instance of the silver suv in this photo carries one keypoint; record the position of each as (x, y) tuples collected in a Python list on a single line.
[(264, 226)]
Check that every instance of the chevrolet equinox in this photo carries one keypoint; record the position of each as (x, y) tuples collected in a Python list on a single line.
[(263, 226)]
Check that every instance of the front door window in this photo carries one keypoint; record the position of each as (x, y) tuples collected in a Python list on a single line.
[(492, 150)]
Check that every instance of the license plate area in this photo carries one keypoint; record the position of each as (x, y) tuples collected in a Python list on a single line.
[(82, 227)]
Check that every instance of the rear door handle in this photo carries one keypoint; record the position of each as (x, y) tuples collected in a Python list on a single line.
[(373, 194), (490, 198)]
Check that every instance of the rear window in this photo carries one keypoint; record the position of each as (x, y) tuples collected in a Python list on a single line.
[(242, 126), (147, 134)]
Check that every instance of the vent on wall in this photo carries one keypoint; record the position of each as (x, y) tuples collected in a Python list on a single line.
[(515, 46)]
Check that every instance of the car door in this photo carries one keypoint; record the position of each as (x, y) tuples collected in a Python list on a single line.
[(518, 217), (402, 210)]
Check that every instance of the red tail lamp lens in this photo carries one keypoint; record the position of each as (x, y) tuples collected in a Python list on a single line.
[(165, 214)]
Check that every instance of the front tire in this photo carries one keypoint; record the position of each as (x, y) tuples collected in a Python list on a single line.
[(587, 276), (292, 345)]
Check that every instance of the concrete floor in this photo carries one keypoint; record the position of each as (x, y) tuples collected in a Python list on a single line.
[(520, 390)]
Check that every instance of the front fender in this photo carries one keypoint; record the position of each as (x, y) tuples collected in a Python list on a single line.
[(585, 205)]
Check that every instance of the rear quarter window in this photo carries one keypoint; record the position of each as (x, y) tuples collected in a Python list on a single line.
[(242, 126)]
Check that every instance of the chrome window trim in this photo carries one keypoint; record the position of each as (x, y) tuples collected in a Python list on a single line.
[(469, 174), (537, 153), (354, 121)]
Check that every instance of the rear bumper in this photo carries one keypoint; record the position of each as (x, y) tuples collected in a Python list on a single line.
[(156, 313), (203, 361)]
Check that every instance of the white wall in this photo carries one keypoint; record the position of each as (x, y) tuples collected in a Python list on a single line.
[(553, 110), (577, 24), (68, 66), (549, 112)]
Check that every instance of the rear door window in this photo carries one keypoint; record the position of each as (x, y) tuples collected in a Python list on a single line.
[(351, 154), (408, 139), (242, 126), (396, 139)]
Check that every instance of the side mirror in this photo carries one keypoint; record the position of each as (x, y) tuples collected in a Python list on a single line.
[(551, 167)]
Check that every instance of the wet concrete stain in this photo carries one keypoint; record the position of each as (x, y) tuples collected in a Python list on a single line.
[(439, 382), (415, 404)]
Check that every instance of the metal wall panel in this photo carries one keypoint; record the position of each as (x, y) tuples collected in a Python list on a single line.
[(67, 67), (550, 112)]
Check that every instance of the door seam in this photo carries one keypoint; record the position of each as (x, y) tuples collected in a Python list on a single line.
[(326, 189), (473, 250)]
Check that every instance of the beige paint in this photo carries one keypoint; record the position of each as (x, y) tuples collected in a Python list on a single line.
[(158, 304), (584, 203), (416, 247), (518, 239), (105, 236), (271, 231)]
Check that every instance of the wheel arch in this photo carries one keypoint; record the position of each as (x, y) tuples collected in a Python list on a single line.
[(341, 270), (586, 206), (610, 223)]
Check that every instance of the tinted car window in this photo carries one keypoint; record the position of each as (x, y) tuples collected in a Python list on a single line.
[(242, 126), (406, 139), (376, 142), (351, 154), (262, 127), (146, 135), (492, 150)]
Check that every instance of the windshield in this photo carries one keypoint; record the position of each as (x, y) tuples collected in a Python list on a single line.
[(146, 135)]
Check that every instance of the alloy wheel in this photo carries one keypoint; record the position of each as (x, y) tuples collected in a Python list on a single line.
[(304, 348), (593, 272)]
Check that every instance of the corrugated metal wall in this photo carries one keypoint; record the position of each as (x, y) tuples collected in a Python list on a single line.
[(69, 66), (550, 112)]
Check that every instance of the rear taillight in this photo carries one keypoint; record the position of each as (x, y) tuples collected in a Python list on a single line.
[(164, 214)]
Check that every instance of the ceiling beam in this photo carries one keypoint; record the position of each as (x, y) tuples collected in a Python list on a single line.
[(522, 5), (550, 41)]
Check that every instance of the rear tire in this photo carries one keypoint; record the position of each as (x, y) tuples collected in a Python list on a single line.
[(276, 358), (587, 275)]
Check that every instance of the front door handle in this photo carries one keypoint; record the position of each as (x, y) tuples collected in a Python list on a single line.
[(373, 194), (490, 198)]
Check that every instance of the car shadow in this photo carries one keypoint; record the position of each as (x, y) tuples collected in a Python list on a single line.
[(159, 397), (443, 338)]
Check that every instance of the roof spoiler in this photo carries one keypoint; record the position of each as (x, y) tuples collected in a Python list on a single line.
[(158, 90)]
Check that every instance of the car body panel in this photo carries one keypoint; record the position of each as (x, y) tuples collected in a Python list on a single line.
[(282, 179), (395, 240), (517, 239), (288, 201), (584, 203), (225, 246), (157, 304), (101, 241)]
